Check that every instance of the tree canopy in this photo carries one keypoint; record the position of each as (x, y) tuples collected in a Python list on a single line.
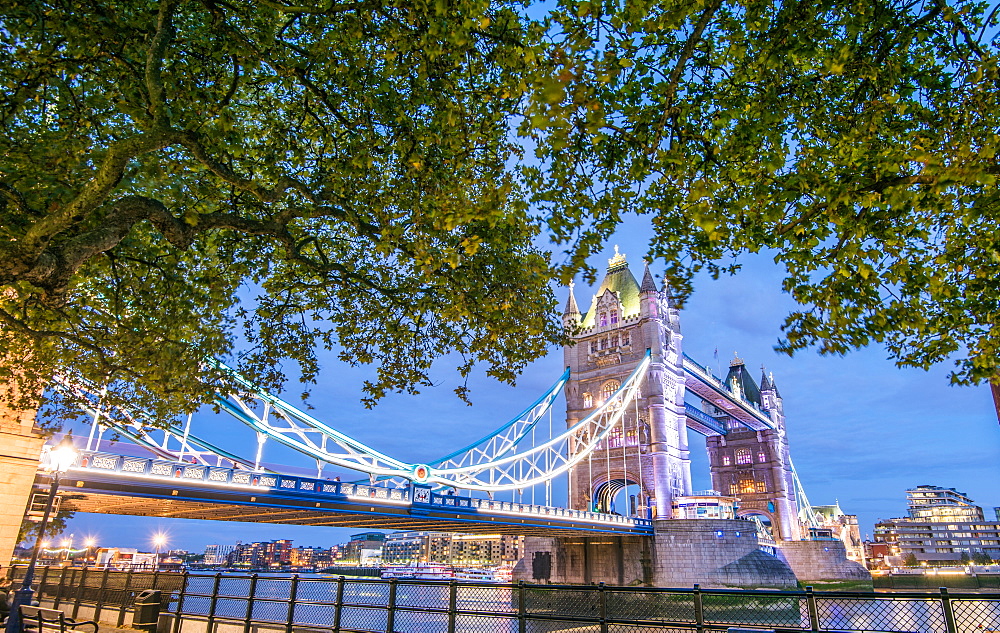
[(252, 180)]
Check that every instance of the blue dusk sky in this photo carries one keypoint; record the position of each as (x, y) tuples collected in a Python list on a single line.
[(861, 430)]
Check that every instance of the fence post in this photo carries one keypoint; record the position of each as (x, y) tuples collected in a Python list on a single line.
[(124, 601), (522, 608), (212, 602), (293, 589), (156, 579), (250, 600), (339, 607), (949, 613), (390, 617), (180, 603), (80, 588), (699, 609), (59, 589), (813, 611), (602, 595), (452, 605), (100, 595), (41, 583)]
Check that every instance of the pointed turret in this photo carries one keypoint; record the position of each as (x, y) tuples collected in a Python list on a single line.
[(647, 285), (571, 315), (774, 387), (765, 382)]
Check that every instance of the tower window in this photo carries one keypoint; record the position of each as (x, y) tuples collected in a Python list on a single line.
[(604, 319), (743, 456), (614, 317), (761, 486), (734, 489), (626, 338), (761, 457), (609, 389), (748, 486), (727, 460), (588, 400), (593, 346)]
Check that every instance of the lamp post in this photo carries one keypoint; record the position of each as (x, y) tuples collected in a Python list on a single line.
[(60, 459), (159, 540)]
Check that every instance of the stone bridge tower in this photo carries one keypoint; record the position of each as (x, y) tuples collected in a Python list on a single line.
[(650, 449), (754, 466)]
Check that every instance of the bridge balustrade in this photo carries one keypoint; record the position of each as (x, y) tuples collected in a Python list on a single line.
[(143, 467), (264, 603)]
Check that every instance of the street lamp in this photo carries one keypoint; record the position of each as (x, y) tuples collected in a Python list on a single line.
[(60, 459), (89, 544), (159, 540)]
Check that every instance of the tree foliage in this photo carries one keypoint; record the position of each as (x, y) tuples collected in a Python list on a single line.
[(188, 179), (252, 180), (855, 141)]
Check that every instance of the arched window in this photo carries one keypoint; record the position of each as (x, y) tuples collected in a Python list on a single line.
[(593, 346), (588, 400), (609, 389), (761, 456), (604, 319), (614, 341), (727, 460), (734, 489), (747, 486), (626, 338), (743, 456), (632, 437), (615, 437), (614, 317)]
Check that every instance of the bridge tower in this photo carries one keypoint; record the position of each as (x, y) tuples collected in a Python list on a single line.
[(650, 449), (754, 466)]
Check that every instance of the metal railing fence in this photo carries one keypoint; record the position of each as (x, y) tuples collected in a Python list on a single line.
[(248, 603)]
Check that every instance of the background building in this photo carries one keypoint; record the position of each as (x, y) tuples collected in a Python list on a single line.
[(217, 555), (407, 548), (944, 526)]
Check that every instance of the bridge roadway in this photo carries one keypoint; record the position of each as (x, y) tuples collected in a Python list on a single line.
[(120, 484)]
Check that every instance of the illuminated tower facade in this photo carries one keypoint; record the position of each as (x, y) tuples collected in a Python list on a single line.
[(755, 466), (647, 454)]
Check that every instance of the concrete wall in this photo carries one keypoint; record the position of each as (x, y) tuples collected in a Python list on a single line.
[(20, 448), (715, 553), (615, 560), (823, 562), (682, 553)]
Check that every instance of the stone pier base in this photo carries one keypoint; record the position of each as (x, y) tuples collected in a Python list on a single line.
[(824, 565), (614, 560), (715, 553)]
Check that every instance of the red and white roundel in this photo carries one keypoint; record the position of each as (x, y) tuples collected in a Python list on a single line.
[(421, 472)]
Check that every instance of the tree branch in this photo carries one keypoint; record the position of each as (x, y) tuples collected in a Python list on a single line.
[(154, 60)]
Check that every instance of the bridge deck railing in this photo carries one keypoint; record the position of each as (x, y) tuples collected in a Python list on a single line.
[(240, 603)]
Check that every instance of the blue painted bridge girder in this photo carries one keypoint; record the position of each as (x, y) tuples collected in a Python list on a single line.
[(120, 484)]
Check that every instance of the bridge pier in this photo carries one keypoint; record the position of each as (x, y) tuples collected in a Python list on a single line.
[(714, 553)]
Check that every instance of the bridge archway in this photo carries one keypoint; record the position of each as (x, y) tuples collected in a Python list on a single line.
[(763, 520), (619, 496)]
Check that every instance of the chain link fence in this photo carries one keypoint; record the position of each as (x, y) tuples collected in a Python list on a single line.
[(252, 603)]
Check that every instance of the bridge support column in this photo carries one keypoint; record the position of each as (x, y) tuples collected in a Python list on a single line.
[(720, 553), (20, 447), (580, 560), (824, 565)]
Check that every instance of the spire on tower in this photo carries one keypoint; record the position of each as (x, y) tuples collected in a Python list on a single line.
[(618, 260), (648, 285), (571, 308), (765, 382)]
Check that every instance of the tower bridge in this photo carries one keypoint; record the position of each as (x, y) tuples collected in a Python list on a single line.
[(632, 396)]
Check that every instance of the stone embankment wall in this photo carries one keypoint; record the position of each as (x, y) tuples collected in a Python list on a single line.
[(714, 553)]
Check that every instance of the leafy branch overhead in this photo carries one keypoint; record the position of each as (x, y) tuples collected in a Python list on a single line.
[(209, 177), (260, 180), (853, 141)]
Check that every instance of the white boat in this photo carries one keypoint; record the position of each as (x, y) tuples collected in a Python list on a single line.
[(475, 575), (419, 571)]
